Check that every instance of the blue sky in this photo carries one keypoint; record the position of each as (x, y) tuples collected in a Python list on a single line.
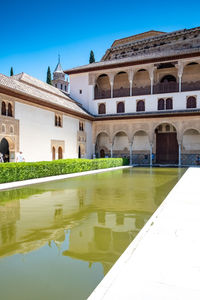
[(33, 33)]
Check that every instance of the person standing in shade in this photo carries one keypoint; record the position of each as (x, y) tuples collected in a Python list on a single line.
[(20, 157)]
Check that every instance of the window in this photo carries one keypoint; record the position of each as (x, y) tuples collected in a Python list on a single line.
[(60, 153), (58, 121), (120, 107), (165, 104), (161, 104), (80, 91), (61, 86), (3, 108), (9, 109), (81, 127), (102, 109), (140, 105), (169, 103), (53, 153), (191, 102)]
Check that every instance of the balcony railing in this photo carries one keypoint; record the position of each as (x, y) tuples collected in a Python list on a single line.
[(190, 86), (103, 94), (122, 92), (165, 87), (141, 91)]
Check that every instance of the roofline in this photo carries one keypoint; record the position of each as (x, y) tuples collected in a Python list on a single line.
[(118, 64), (137, 35), (27, 98)]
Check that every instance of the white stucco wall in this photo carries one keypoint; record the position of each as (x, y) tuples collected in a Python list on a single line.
[(37, 129)]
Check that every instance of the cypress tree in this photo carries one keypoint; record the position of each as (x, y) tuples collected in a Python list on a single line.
[(11, 71), (92, 58), (48, 76)]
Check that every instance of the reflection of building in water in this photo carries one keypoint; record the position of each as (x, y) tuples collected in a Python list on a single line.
[(10, 211), (104, 236)]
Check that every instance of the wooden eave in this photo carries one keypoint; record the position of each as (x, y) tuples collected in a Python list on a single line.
[(131, 63)]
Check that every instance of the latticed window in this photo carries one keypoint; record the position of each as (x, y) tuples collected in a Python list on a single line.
[(102, 109), (140, 105), (191, 102), (120, 107)]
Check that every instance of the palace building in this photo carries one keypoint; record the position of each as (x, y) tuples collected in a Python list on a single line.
[(141, 101)]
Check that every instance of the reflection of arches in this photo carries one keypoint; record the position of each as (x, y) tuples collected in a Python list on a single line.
[(166, 144), (120, 107), (60, 153), (102, 88), (4, 149), (140, 105), (3, 108), (102, 108), (53, 153), (191, 102), (10, 110)]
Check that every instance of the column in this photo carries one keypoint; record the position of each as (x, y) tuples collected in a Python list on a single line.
[(180, 73), (130, 77), (151, 147), (111, 150), (111, 88), (131, 153), (151, 75), (111, 78), (179, 154), (94, 155), (93, 87)]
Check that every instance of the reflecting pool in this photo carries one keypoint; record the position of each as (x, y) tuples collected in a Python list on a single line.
[(59, 239)]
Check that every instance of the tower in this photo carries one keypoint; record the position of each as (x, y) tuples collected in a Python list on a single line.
[(59, 78)]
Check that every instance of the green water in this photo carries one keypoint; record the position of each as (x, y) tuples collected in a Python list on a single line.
[(59, 239)]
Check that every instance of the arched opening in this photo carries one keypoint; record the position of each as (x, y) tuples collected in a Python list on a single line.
[(3, 108), (102, 142), (190, 77), (10, 114), (191, 147), (167, 84), (161, 104), (166, 144), (4, 149), (121, 85), (102, 153), (141, 83), (102, 88), (140, 105), (191, 102), (120, 107), (60, 153), (53, 153), (121, 145), (102, 109), (141, 147)]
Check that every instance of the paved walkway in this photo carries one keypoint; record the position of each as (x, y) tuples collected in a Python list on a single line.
[(163, 262), (17, 184)]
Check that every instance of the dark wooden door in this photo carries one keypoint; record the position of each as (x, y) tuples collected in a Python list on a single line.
[(166, 148)]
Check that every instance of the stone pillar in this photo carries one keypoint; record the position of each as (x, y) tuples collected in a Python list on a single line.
[(131, 87), (111, 150), (130, 77), (111, 89), (56, 154), (94, 155), (150, 153), (131, 153), (179, 154), (151, 75), (180, 73), (93, 87)]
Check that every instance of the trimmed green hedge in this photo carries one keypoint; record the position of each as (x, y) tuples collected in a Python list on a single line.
[(28, 170)]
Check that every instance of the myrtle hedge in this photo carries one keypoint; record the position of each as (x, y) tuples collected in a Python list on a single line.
[(28, 170)]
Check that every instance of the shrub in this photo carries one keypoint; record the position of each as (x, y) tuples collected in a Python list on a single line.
[(10, 172)]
